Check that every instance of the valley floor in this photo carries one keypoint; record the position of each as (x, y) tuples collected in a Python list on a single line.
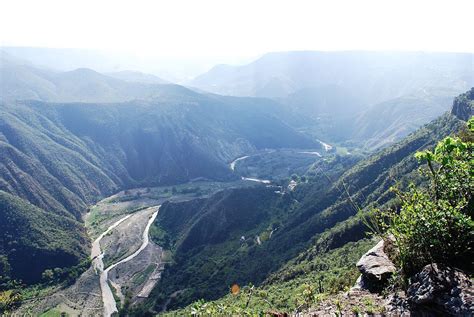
[(126, 264), (115, 276)]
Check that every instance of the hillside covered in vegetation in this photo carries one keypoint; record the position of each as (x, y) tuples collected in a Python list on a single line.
[(63, 157), (312, 237), (263, 200)]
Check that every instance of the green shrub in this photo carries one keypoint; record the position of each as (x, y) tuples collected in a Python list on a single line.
[(435, 221), (9, 300)]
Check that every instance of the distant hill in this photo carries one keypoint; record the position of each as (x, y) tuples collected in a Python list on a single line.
[(176, 69), (359, 99), (20, 81), (392, 120), (137, 77), (334, 114), (372, 76)]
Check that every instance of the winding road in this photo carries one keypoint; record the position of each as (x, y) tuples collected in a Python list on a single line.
[(97, 256)]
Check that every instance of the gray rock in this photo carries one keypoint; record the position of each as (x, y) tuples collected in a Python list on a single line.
[(442, 289), (376, 268)]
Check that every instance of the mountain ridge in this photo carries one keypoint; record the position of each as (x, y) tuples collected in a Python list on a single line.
[(365, 71)]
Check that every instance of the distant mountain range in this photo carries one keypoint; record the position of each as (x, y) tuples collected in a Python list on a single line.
[(23, 81), (367, 98), (176, 69), (371, 76), (336, 96)]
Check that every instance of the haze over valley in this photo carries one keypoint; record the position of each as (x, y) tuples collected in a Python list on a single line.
[(215, 173)]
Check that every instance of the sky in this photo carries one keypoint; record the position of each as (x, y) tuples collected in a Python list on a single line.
[(240, 28)]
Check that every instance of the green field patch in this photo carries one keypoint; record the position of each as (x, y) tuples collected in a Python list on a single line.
[(54, 313), (141, 277)]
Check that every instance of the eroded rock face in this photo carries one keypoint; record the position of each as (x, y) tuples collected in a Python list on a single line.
[(463, 105), (375, 267), (443, 289)]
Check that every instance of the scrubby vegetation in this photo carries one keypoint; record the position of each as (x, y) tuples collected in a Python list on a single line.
[(63, 157), (288, 291), (277, 249), (435, 223), (312, 221), (14, 292), (55, 241), (324, 222)]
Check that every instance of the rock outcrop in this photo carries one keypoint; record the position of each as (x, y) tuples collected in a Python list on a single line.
[(463, 105), (443, 290), (436, 290), (376, 268)]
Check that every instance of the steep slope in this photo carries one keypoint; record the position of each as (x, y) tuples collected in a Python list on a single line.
[(315, 219), (33, 239), (392, 120), (213, 240), (46, 164), (63, 157), (107, 146), (367, 183), (331, 113), (463, 106)]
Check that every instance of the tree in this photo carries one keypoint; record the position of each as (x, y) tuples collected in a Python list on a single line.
[(5, 271), (9, 300), (48, 275), (5, 268)]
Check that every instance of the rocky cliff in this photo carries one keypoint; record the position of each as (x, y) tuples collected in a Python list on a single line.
[(463, 106)]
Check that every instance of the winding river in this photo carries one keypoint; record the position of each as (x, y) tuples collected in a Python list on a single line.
[(232, 165), (252, 179), (97, 256)]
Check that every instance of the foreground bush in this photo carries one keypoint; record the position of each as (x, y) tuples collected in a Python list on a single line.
[(435, 221)]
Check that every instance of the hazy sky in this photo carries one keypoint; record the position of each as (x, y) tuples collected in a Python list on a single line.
[(238, 28)]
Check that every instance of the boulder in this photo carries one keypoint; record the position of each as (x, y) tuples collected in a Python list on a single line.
[(442, 289), (376, 268)]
